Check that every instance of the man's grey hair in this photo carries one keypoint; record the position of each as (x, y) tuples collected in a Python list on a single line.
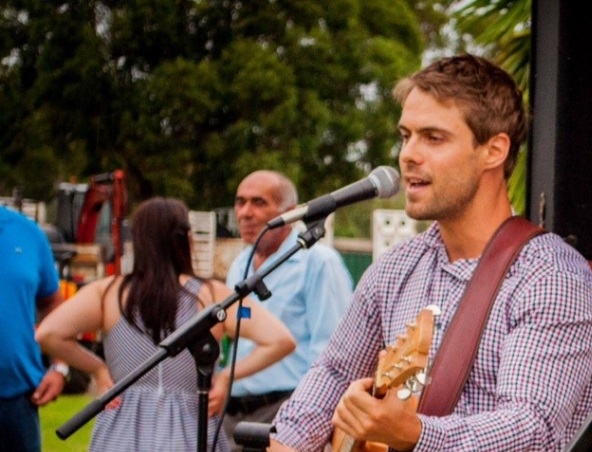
[(287, 195)]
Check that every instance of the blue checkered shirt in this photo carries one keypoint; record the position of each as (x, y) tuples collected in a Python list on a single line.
[(531, 384)]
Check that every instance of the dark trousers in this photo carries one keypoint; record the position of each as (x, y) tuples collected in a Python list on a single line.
[(20, 430)]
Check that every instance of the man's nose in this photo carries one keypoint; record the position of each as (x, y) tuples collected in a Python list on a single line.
[(410, 152), (243, 210)]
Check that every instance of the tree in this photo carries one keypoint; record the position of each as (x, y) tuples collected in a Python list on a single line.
[(287, 88), (54, 92), (188, 96), (503, 29)]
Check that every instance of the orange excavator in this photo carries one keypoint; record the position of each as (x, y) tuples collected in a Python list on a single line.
[(88, 241)]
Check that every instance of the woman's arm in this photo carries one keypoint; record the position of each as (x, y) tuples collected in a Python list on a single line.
[(272, 338), (57, 333), (273, 341)]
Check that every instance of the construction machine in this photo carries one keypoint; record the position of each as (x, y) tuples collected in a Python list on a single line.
[(88, 239)]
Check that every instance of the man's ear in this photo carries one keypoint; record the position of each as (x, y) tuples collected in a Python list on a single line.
[(498, 148), (288, 207)]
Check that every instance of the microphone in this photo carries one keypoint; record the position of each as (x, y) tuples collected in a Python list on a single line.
[(382, 182)]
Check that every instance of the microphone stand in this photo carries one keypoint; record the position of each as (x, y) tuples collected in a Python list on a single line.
[(192, 334), (205, 352)]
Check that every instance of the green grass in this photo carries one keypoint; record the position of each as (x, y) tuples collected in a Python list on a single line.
[(55, 414)]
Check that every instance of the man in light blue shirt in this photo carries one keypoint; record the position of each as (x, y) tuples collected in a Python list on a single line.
[(310, 292)]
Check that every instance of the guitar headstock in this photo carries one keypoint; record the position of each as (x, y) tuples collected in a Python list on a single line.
[(403, 361)]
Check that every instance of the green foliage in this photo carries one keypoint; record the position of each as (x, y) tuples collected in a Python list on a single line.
[(356, 220), (189, 96), (503, 28)]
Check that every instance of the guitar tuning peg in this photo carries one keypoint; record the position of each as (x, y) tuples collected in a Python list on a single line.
[(435, 309), (415, 385), (411, 325), (392, 367), (404, 393), (422, 378)]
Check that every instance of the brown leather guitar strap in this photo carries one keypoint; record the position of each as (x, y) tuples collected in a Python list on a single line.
[(454, 360)]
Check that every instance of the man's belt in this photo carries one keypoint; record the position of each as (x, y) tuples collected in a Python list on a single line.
[(250, 403)]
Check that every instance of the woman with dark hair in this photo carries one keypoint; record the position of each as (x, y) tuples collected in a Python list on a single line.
[(135, 313)]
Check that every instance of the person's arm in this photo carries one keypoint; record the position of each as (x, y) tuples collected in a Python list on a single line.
[(304, 421), (272, 338), (53, 382), (58, 331), (387, 420), (542, 348)]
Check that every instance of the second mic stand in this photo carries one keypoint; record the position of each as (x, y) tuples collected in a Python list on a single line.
[(194, 331)]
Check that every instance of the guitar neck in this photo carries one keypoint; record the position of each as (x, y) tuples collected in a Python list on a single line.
[(348, 445)]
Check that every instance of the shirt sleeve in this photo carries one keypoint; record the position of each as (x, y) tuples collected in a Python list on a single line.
[(530, 383), (328, 294), (545, 367), (304, 421)]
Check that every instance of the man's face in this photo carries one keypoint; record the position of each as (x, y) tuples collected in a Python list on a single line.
[(255, 205), (438, 159)]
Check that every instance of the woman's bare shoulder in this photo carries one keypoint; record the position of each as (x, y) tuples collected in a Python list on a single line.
[(217, 289)]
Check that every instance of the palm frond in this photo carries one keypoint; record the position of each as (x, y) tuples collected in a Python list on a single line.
[(503, 27)]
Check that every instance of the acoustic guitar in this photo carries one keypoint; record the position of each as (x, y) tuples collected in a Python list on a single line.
[(403, 365)]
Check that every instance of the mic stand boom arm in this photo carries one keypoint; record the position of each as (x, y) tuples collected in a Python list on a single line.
[(192, 331)]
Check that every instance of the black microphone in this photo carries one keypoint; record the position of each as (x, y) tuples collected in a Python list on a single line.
[(382, 182)]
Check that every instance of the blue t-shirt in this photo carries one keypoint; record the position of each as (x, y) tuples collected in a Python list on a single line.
[(27, 272)]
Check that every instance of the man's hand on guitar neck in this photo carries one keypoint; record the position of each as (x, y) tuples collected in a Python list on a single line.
[(389, 420)]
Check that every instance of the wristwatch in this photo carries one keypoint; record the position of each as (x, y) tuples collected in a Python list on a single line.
[(61, 368)]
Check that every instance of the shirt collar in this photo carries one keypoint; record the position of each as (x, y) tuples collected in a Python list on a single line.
[(461, 268), (285, 246)]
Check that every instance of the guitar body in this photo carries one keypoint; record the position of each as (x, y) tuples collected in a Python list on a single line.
[(400, 366)]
